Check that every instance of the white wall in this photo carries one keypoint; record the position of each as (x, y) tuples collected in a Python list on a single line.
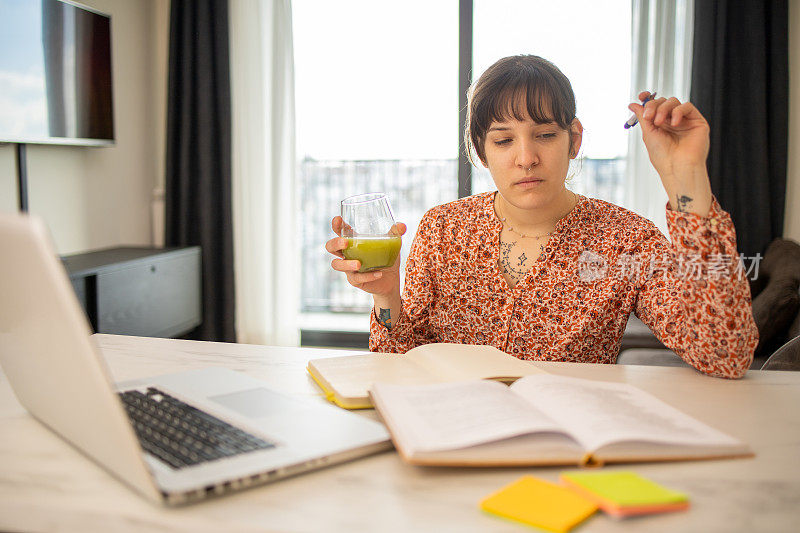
[(98, 197), (791, 225)]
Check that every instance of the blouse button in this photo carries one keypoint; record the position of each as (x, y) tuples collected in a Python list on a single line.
[(519, 341)]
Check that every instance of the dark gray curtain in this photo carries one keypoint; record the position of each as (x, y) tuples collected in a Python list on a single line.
[(198, 179), (740, 82)]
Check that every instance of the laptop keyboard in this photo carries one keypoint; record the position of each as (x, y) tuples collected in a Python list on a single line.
[(182, 435)]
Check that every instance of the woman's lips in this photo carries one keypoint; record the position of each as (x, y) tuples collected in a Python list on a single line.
[(530, 182)]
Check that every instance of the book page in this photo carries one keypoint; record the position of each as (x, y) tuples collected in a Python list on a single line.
[(598, 413), (352, 376), (455, 415), (540, 448), (461, 362)]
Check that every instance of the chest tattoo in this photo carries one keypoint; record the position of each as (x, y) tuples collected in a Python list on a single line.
[(513, 261)]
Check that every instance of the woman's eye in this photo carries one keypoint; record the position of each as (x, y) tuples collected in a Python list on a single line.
[(548, 135), (501, 142)]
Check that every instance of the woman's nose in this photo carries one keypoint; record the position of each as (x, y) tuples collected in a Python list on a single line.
[(526, 155)]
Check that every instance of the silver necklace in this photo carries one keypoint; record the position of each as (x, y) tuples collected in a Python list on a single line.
[(543, 235), (512, 230)]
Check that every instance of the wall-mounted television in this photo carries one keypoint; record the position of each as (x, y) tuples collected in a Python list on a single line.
[(55, 73)]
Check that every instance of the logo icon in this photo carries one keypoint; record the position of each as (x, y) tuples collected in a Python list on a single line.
[(591, 266)]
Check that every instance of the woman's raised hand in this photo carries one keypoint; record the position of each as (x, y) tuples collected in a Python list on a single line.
[(674, 133), (676, 136), (382, 282)]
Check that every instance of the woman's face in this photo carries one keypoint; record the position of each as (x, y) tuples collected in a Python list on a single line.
[(529, 161)]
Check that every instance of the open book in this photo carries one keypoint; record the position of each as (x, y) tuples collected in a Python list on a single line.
[(542, 420), (347, 380)]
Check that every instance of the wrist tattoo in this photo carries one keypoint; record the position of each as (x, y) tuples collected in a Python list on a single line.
[(682, 203), (385, 318)]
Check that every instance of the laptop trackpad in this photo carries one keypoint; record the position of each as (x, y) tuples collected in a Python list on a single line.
[(256, 403)]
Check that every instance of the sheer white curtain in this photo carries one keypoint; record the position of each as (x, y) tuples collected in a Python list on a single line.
[(265, 237), (661, 60)]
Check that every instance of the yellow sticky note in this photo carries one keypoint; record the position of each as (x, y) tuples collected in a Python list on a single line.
[(625, 493), (539, 503), (624, 488)]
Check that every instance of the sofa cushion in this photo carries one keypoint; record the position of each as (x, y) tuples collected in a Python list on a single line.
[(638, 335), (651, 357), (794, 327), (777, 302), (785, 358), (775, 309)]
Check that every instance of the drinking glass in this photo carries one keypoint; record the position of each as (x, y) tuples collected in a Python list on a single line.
[(370, 231)]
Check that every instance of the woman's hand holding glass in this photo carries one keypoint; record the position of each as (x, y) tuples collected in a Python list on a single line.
[(382, 282), (368, 244)]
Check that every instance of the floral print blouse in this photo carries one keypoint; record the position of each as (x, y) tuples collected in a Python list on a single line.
[(601, 263)]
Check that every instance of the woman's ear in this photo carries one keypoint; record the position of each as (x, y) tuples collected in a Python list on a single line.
[(575, 138)]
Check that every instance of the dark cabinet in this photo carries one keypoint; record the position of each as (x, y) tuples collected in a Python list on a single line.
[(149, 292)]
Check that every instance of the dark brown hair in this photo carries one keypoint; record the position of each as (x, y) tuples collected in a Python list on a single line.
[(544, 89)]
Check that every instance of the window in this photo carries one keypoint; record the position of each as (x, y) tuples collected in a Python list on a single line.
[(590, 42), (377, 107)]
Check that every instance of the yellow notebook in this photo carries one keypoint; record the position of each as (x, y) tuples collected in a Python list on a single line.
[(539, 503), (331, 396), (347, 380)]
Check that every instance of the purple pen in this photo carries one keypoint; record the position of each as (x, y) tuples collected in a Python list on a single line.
[(633, 120)]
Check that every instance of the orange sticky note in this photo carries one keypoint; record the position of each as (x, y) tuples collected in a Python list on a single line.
[(539, 503)]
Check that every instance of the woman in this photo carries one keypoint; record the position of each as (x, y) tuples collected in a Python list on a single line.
[(545, 274)]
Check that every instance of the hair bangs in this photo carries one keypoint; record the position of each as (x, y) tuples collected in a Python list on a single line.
[(521, 102), (519, 88)]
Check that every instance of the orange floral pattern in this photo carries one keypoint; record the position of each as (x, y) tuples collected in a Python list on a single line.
[(602, 263)]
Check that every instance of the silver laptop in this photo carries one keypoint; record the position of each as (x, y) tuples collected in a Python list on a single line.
[(174, 438)]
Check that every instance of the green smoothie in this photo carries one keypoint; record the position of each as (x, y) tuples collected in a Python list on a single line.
[(373, 252)]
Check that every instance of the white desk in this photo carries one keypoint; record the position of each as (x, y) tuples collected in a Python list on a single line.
[(47, 485)]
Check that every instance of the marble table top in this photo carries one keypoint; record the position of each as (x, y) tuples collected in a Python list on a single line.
[(47, 485)]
